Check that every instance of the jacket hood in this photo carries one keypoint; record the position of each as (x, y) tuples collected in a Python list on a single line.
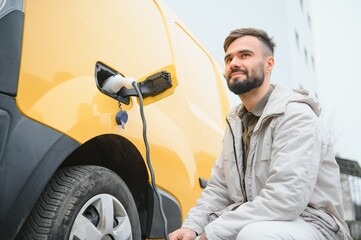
[(304, 96)]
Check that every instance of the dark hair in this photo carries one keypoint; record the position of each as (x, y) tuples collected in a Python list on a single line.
[(258, 33)]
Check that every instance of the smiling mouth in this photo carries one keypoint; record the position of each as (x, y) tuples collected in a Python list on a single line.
[(233, 74)]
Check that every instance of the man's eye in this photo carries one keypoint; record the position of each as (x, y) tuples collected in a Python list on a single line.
[(245, 55), (227, 60)]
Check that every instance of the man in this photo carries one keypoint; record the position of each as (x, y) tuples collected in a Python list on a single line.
[(276, 177)]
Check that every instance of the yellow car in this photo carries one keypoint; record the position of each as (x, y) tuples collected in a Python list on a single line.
[(82, 160)]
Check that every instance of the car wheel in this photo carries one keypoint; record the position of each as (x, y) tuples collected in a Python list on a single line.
[(84, 202)]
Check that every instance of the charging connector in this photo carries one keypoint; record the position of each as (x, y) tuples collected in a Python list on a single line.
[(116, 82)]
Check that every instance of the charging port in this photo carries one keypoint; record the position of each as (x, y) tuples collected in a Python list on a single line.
[(151, 86), (155, 84)]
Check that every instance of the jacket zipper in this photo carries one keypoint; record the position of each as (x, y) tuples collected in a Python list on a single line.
[(242, 183)]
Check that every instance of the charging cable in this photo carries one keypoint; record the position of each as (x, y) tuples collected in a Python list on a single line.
[(114, 84), (147, 150)]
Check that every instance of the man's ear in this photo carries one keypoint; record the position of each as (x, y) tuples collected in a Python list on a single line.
[(270, 61)]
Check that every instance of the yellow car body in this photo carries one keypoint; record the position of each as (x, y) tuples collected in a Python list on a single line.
[(61, 43)]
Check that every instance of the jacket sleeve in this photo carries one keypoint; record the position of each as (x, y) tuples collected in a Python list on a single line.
[(294, 164), (214, 198)]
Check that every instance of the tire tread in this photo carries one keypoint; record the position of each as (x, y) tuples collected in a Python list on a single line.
[(51, 217)]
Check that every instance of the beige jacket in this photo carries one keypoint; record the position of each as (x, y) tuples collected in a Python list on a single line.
[(291, 172)]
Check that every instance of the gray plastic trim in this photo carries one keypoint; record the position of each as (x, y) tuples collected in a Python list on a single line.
[(7, 6)]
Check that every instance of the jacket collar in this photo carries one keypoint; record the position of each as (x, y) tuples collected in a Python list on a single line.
[(277, 103)]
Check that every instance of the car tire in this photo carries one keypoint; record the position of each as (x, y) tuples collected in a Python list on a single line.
[(83, 202)]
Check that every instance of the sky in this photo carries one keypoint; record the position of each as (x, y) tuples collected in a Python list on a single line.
[(337, 43)]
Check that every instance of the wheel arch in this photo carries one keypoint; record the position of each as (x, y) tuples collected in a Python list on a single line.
[(120, 155)]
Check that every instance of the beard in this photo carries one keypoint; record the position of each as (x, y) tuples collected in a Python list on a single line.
[(253, 80)]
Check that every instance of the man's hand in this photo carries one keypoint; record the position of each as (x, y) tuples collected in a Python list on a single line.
[(182, 234)]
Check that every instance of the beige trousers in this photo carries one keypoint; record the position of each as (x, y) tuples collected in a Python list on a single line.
[(280, 230)]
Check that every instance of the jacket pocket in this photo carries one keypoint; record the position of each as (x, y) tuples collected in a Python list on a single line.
[(214, 215), (232, 177)]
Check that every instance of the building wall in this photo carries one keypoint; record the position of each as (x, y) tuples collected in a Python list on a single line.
[(302, 45), (211, 21)]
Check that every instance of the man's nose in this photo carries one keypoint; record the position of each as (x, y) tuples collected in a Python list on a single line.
[(234, 62)]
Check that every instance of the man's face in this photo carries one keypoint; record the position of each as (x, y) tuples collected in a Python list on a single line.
[(244, 65)]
